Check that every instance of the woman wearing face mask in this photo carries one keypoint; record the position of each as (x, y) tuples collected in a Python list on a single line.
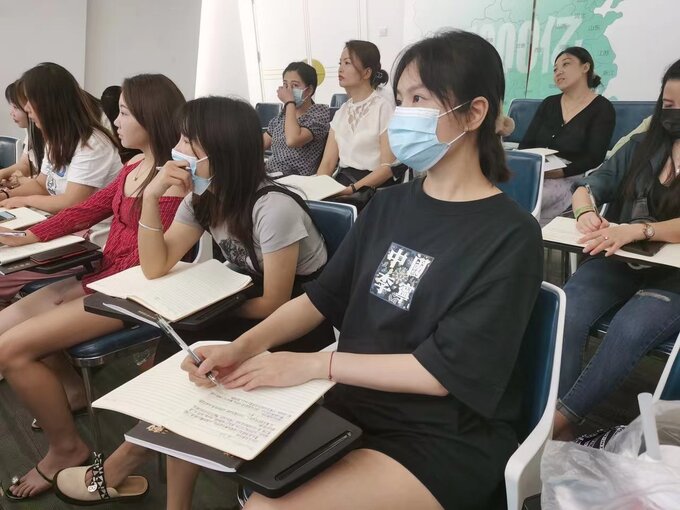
[(35, 329), (578, 123), (431, 290), (260, 227), (297, 136), (642, 184), (29, 163), (357, 141)]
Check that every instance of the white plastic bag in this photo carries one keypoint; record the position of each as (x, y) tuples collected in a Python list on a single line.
[(576, 477)]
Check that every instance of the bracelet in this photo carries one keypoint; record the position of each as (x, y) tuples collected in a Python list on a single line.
[(582, 210), (154, 229), (354, 188), (287, 103), (386, 164), (330, 365)]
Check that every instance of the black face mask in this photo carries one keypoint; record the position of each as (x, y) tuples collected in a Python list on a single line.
[(670, 120)]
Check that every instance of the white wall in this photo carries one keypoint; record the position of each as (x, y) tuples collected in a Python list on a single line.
[(128, 37), (386, 17), (34, 31)]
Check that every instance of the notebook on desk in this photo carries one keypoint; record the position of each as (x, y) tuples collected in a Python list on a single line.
[(24, 217), (312, 187), (10, 254), (563, 230), (185, 290), (240, 423), (551, 161)]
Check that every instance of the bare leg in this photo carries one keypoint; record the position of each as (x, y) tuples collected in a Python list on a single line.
[(21, 348), (563, 429), (181, 481)]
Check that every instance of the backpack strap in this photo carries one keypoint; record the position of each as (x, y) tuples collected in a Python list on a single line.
[(259, 194)]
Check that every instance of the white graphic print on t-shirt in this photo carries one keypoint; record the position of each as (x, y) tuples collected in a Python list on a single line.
[(399, 274)]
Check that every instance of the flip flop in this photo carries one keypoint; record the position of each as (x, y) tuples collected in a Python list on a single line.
[(15, 480), (78, 412), (69, 486)]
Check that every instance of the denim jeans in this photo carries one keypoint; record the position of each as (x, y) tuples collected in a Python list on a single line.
[(648, 317)]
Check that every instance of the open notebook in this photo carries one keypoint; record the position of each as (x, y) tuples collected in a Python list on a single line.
[(563, 231), (551, 161), (240, 423), (13, 253), (185, 290), (25, 217), (312, 187)]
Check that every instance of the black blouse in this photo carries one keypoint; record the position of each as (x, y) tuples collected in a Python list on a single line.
[(583, 140)]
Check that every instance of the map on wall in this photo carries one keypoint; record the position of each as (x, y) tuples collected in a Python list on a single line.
[(527, 38)]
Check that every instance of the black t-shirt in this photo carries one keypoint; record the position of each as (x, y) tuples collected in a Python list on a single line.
[(583, 140), (453, 283)]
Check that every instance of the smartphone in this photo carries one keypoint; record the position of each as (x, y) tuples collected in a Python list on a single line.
[(649, 248), (6, 216), (58, 253)]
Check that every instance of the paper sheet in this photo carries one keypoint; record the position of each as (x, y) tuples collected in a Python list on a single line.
[(13, 253), (25, 217), (312, 187), (234, 421)]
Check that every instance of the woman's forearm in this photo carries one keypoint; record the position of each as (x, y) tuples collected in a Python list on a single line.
[(153, 252), (376, 178)]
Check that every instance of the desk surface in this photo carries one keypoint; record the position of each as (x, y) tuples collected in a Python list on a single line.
[(94, 303), (570, 248)]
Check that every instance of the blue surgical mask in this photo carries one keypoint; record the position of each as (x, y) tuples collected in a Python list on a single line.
[(297, 95), (201, 184), (412, 133)]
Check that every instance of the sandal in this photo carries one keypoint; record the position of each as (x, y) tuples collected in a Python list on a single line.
[(15, 481), (69, 486), (78, 412)]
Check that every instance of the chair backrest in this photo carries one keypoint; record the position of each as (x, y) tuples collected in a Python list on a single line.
[(668, 387), (540, 358), (334, 220), (266, 112), (8, 151), (522, 111), (629, 115), (337, 100), (525, 185), (331, 111)]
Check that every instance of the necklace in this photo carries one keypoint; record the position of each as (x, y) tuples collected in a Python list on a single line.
[(137, 172)]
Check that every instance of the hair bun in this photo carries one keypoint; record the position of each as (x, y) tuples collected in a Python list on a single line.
[(595, 81), (380, 77)]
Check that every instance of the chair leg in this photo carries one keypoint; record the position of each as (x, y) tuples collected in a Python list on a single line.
[(94, 422), (160, 464)]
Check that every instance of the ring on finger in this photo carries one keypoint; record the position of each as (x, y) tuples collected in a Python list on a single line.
[(606, 238)]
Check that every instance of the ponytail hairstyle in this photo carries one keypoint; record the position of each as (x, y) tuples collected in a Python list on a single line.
[(228, 130), (656, 139), (368, 55), (583, 56), (153, 100), (67, 115), (14, 93), (457, 67)]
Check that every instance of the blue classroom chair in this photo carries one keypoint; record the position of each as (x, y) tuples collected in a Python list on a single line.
[(525, 186), (522, 111)]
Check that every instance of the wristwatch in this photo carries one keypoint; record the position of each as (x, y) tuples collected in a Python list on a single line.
[(648, 231)]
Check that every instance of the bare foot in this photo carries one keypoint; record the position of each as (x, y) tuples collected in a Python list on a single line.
[(33, 483)]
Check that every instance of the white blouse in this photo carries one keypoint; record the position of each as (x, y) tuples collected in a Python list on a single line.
[(357, 128)]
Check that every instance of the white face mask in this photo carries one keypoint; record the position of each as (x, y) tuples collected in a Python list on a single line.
[(201, 184), (412, 133)]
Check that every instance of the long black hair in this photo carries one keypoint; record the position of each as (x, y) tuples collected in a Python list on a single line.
[(36, 143), (463, 65), (657, 139), (228, 130)]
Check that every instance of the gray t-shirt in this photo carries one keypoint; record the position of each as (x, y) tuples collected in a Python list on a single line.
[(278, 221)]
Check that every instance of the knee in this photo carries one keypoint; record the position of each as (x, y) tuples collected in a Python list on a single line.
[(10, 354), (259, 502)]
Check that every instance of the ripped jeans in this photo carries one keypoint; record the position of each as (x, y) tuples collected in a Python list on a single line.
[(648, 317)]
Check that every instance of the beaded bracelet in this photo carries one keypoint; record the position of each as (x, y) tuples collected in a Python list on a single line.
[(582, 210)]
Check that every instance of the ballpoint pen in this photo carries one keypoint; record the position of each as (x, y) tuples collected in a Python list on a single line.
[(164, 325), (592, 201)]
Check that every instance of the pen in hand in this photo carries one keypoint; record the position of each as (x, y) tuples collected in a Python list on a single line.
[(168, 330), (592, 201)]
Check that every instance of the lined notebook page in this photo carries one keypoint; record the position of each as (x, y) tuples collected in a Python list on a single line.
[(234, 421), (13, 253), (563, 230), (25, 217), (186, 289), (312, 187)]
